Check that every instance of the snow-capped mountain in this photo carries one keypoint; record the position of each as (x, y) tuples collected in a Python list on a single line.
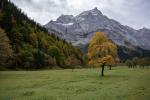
[(79, 29)]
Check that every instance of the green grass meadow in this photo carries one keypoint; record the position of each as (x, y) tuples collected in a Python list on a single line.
[(120, 83)]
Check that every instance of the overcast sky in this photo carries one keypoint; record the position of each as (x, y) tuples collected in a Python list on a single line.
[(134, 13)]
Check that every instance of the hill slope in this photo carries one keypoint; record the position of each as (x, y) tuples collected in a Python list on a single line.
[(28, 45)]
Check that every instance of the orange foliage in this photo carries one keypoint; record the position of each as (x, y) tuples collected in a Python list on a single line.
[(101, 50)]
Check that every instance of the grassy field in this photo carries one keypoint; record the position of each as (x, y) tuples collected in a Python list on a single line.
[(82, 84)]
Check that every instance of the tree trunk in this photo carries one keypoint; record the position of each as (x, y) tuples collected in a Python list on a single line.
[(109, 67), (102, 73)]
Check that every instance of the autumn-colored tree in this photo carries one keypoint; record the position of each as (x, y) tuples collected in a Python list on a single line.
[(72, 61), (143, 62), (129, 63), (34, 40), (101, 51), (111, 63), (5, 49), (51, 61), (56, 53), (134, 62)]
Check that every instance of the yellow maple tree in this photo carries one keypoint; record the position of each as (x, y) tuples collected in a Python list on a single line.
[(101, 51)]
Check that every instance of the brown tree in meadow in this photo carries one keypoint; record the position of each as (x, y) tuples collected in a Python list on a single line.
[(101, 51)]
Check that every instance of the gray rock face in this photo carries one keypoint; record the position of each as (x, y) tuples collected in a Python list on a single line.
[(79, 29)]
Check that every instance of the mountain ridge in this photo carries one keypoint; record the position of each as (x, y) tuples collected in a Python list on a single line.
[(79, 29), (90, 21)]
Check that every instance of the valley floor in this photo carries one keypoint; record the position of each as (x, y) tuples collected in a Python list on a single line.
[(120, 83)]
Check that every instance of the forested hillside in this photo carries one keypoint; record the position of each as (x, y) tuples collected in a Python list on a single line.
[(24, 44)]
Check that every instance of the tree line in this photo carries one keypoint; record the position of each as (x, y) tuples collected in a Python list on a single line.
[(138, 62)]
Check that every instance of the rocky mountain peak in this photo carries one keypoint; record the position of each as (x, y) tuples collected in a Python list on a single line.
[(65, 19), (96, 10), (93, 12), (79, 29)]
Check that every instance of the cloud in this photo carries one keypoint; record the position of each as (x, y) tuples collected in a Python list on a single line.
[(134, 13)]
